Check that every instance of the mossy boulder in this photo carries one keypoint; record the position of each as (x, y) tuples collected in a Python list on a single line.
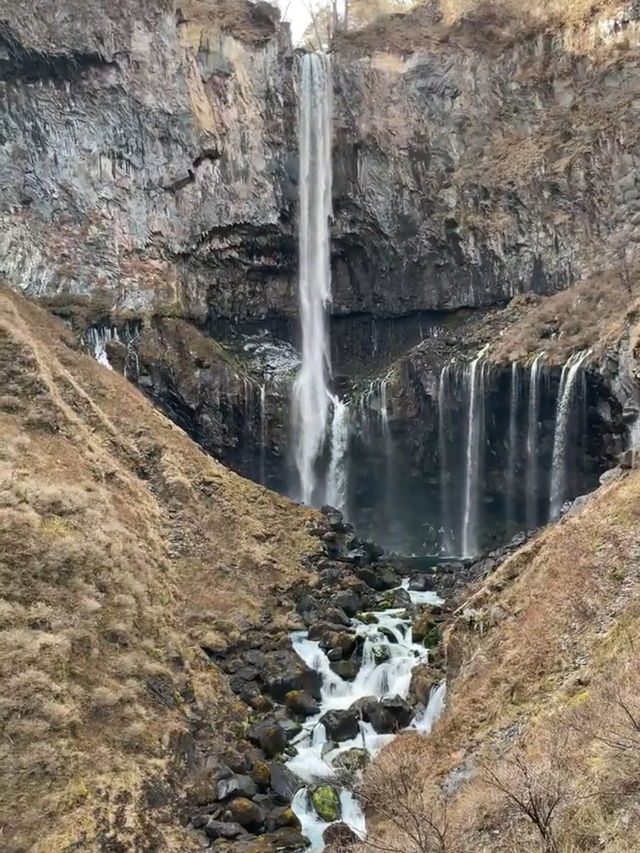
[(302, 703), (247, 813), (326, 802), (261, 774), (381, 654), (367, 618), (353, 760), (425, 630)]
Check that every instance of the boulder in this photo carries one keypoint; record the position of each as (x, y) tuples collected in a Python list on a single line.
[(400, 709), (326, 803), (339, 834), (341, 725), (284, 671), (348, 601), (381, 654), (289, 838), (421, 582), (284, 783), (248, 814), (346, 669), (269, 736), (261, 774), (282, 816), (336, 616), (386, 716), (379, 579), (222, 829), (423, 679), (236, 786), (339, 640), (353, 760), (301, 703)]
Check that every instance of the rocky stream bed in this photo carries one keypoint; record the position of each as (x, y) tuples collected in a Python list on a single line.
[(361, 661)]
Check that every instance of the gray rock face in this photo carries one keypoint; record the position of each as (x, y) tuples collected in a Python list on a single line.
[(148, 162), (147, 154)]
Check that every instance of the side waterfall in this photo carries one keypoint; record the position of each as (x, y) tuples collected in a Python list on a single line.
[(533, 438), (566, 395), (475, 435), (514, 400), (264, 437), (337, 479), (444, 426), (311, 398)]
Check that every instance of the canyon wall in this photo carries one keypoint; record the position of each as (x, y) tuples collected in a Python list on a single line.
[(148, 159)]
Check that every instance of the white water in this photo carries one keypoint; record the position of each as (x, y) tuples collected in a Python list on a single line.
[(264, 437), (315, 761), (513, 446), (337, 479), (533, 429), (475, 431), (310, 407), (443, 431), (98, 340), (566, 394)]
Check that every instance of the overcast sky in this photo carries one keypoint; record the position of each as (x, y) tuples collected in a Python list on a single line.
[(297, 13)]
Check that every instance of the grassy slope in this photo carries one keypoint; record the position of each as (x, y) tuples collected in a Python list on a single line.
[(544, 671), (122, 546)]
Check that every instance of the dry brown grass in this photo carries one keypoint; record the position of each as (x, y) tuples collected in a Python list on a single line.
[(596, 313), (121, 545), (540, 660)]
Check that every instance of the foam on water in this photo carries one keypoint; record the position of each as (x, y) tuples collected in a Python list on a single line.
[(315, 760)]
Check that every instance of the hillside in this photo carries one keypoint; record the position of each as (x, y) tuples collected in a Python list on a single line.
[(538, 749), (124, 549)]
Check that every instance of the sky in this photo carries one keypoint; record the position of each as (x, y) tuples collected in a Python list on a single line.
[(297, 12)]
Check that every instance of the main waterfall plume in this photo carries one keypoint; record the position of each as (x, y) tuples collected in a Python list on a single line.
[(311, 399)]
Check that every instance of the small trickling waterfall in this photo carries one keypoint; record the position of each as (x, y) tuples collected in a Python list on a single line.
[(311, 401), (98, 337), (533, 437), (264, 437), (474, 456), (514, 400), (566, 396), (337, 479)]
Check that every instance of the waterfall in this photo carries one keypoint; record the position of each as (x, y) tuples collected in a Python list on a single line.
[(533, 430), (514, 400), (99, 337), (566, 394), (475, 433), (311, 399), (264, 437), (444, 425), (337, 479)]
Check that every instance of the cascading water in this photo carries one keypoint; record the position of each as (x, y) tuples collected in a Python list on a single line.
[(475, 435), (566, 395), (263, 433), (444, 396), (514, 400), (389, 656), (337, 479), (98, 338), (311, 398), (533, 430)]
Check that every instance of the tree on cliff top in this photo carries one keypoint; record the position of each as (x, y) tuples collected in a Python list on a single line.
[(327, 17)]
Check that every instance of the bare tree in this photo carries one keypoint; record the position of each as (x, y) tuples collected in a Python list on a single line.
[(536, 792), (395, 798)]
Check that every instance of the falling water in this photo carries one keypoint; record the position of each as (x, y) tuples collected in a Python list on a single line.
[(337, 479), (99, 337), (444, 425), (533, 429), (566, 393), (310, 393), (264, 437), (475, 432), (513, 445)]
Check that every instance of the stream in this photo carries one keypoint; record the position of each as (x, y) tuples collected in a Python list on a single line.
[(385, 672)]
